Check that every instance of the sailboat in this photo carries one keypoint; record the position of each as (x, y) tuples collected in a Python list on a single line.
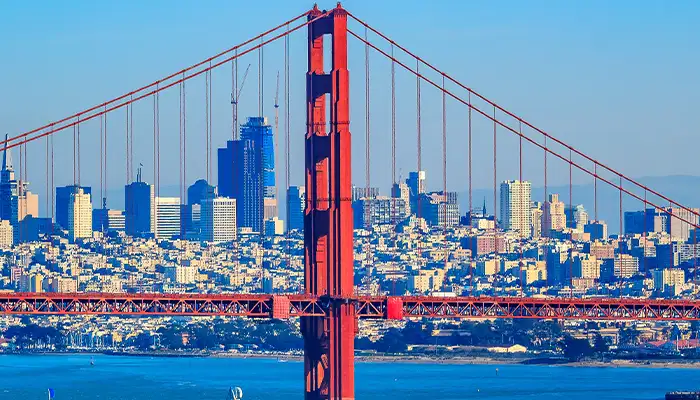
[(92, 361)]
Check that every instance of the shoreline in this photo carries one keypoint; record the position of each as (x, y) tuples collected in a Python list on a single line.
[(404, 359)]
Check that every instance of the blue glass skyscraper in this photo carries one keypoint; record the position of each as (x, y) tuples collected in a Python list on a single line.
[(247, 172), (259, 131)]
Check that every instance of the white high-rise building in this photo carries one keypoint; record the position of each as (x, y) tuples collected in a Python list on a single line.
[(218, 220), (6, 234), (516, 206), (79, 215), (167, 217)]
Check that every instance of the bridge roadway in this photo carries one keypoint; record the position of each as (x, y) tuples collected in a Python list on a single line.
[(285, 306)]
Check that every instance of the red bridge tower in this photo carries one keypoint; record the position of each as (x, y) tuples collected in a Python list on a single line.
[(328, 221)]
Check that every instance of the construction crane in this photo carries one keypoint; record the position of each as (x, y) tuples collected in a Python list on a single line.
[(235, 97)]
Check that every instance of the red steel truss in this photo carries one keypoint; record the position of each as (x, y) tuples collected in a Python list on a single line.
[(291, 306)]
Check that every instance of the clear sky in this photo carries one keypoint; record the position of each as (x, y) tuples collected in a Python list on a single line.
[(618, 79)]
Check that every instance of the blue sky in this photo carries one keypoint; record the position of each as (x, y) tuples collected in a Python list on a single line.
[(617, 79)]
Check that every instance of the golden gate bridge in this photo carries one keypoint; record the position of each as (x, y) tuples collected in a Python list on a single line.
[(330, 306)]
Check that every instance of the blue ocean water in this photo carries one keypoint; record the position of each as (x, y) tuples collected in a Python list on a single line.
[(146, 378)]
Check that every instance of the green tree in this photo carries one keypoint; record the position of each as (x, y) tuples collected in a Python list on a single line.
[(600, 346), (576, 349), (392, 342), (628, 336)]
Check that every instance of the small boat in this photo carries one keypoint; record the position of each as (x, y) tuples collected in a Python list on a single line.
[(235, 393), (92, 361)]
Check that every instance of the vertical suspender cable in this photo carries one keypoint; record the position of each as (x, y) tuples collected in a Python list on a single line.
[(286, 140), (184, 134), (53, 190), (644, 234), (418, 178), (367, 196), (206, 122), (573, 221), (102, 162), (182, 182), (131, 140), (211, 126), (545, 209), (78, 149), (48, 196), (469, 151), (526, 206), (393, 155), (495, 200), (469, 166), (595, 191), (444, 170)]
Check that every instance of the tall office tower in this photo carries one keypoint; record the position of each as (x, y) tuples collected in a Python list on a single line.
[(106, 220), (438, 209), (63, 194), (553, 217), (218, 220), (240, 167), (400, 190), (79, 215), (576, 217), (196, 194), (296, 198), (16, 201), (678, 228), (536, 219), (516, 206), (259, 131), (416, 186), (167, 217), (139, 204), (597, 229)]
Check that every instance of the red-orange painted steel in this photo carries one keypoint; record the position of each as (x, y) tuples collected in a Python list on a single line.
[(377, 307), (328, 229)]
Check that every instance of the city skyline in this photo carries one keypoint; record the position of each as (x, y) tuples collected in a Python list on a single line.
[(376, 253), (511, 93)]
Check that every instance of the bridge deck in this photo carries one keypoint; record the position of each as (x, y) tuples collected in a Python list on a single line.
[(380, 307)]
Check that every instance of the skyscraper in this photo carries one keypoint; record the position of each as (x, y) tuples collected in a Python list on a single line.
[(516, 206), (167, 217), (400, 190), (196, 194), (106, 220), (438, 209), (576, 217), (139, 204), (416, 187), (218, 220), (16, 201), (79, 215), (259, 131), (63, 196), (553, 217), (246, 173), (296, 198)]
